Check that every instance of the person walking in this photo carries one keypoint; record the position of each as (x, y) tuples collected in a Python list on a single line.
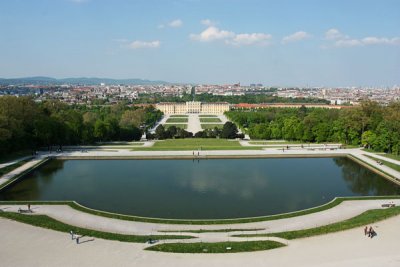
[(366, 230), (370, 231)]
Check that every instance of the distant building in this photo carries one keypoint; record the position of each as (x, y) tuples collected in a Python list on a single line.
[(193, 107)]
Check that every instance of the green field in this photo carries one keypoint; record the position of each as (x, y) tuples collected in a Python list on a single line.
[(220, 247), (365, 218), (274, 142), (173, 120), (210, 120), (391, 156), (12, 167), (211, 126), (208, 116), (178, 116), (50, 223), (195, 144), (386, 163), (182, 126)]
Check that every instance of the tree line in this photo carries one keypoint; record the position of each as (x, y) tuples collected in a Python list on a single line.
[(370, 124), (25, 124), (229, 131)]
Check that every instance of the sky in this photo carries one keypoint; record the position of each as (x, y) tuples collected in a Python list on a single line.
[(273, 42)]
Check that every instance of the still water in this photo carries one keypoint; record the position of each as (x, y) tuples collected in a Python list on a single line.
[(217, 188)]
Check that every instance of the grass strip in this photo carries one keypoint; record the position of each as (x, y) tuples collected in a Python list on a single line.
[(17, 177), (365, 218), (220, 247), (196, 144), (208, 116), (15, 156), (210, 120), (50, 223), (391, 156), (211, 231), (178, 116), (373, 168), (386, 163), (172, 120), (182, 126), (12, 167), (211, 126)]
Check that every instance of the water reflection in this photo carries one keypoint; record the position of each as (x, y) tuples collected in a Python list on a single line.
[(364, 182)]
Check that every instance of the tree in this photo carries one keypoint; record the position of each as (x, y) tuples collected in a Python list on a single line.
[(160, 132), (368, 139), (229, 130)]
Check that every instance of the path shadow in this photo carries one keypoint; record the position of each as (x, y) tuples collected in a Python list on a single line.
[(85, 241)]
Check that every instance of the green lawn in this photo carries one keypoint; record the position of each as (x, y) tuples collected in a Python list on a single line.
[(15, 155), (178, 116), (173, 120), (220, 247), (119, 144), (386, 163), (195, 144), (211, 126), (227, 230), (274, 143), (208, 116), (365, 218), (182, 126), (12, 167), (391, 156), (50, 223), (210, 120)]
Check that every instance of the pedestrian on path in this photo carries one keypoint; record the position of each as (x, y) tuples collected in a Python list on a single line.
[(366, 230), (29, 207), (370, 231), (72, 235)]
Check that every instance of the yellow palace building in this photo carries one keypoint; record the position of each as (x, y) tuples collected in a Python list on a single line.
[(193, 107)]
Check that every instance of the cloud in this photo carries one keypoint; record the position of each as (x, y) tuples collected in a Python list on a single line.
[(250, 39), (212, 33), (334, 34), (142, 44), (207, 22), (172, 24), (175, 23), (341, 40), (297, 36), (348, 43), (377, 41)]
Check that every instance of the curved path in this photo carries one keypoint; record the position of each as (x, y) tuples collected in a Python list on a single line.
[(66, 214), (24, 245)]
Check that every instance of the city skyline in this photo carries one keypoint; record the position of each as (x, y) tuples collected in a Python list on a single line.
[(211, 42)]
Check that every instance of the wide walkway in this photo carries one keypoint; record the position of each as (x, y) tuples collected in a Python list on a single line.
[(66, 214), (24, 245)]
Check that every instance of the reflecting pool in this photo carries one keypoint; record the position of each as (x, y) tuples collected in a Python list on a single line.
[(216, 188)]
